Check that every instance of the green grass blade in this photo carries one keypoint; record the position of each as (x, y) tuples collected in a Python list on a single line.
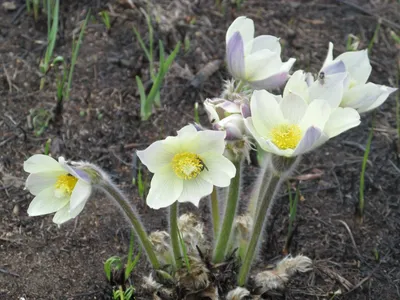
[(361, 204), (143, 109), (75, 50), (142, 45), (184, 250)]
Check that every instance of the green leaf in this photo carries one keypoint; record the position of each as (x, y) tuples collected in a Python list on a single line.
[(142, 93), (113, 263)]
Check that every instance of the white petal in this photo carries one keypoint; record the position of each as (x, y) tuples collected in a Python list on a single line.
[(297, 85), (316, 115), (80, 194), (263, 42), (385, 93), (329, 55), (329, 89), (245, 26), (204, 141), (219, 170), (266, 113), (41, 163), (293, 108), (259, 65), (340, 120), (65, 214), (157, 155), (45, 203), (194, 190), (37, 182), (74, 170), (165, 189), (357, 64), (187, 130)]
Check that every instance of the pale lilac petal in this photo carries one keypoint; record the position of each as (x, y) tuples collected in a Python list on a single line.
[(46, 203), (245, 110), (235, 56), (308, 141), (333, 68), (74, 170)]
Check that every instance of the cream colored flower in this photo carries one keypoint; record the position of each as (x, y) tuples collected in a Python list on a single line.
[(186, 166), (57, 187), (289, 126)]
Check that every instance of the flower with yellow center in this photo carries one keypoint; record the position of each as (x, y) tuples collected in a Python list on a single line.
[(57, 188), (186, 166), (290, 126)]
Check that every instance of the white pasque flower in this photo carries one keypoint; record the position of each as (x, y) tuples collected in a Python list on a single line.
[(256, 61), (358, 93), (186, 166), (57, 187), (289, 126)]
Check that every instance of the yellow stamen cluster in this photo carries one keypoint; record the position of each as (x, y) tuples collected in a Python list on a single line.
[(66, 183), (187, 165), (286, 136)]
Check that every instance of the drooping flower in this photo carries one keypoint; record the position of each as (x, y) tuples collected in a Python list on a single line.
[(57, 187), (358, 94), (186, 166), (256, 61), (289, 126)]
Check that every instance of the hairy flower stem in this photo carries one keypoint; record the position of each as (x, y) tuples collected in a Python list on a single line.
[(239, 87), (230, 212), (115, 194), (280, 168), (174, 234), (215, 211)]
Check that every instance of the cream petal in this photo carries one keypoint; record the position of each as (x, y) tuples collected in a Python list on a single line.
[(41, 163), (293, 108), (65, 214), (386, 91), (195, 189), (157, 155), (266, 113), (165, 188), (37, 182), (316, 115), (243, 25), (357, 64), (80, 194), (218, 169), (340, 120), (46, 203)]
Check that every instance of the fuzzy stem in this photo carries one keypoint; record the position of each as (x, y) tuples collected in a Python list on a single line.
[(215, 211), (173, 227), (239, 87), (230, 212), (115, 194), (279, 168), (258, 226)]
